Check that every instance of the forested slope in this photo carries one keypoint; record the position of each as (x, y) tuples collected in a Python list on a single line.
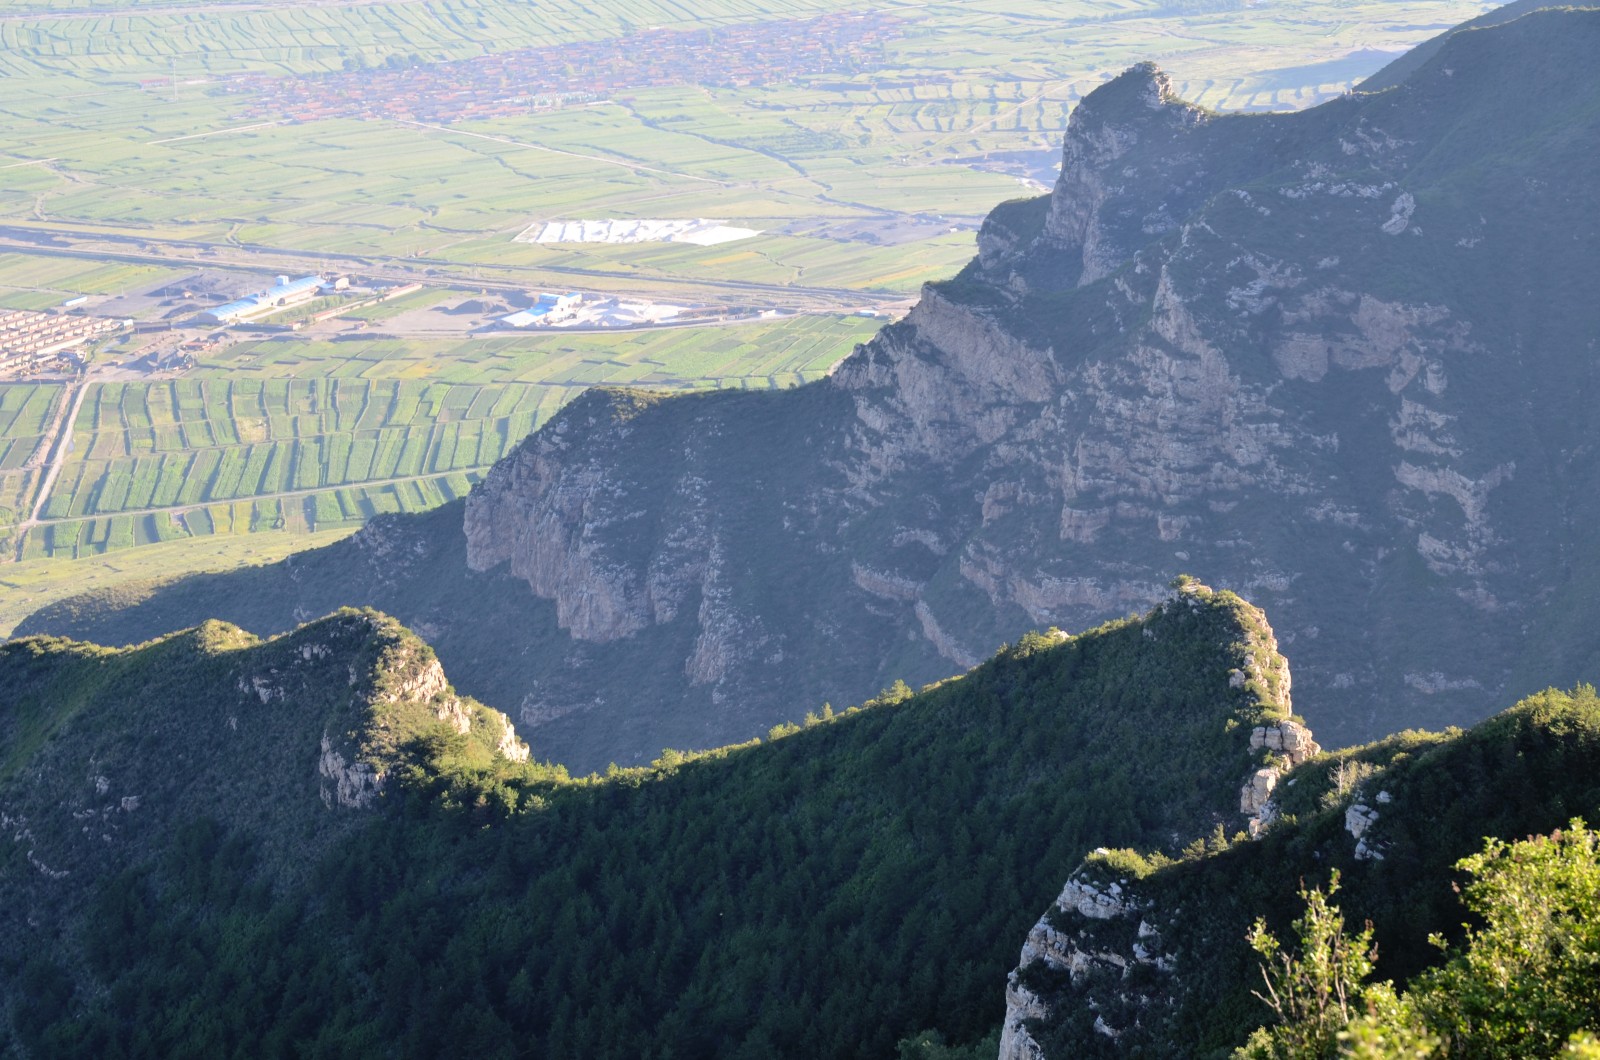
[(843, 884)]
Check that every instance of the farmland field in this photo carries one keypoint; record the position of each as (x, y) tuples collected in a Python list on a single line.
[(304, 436), (777, 353), (31, 584), (25, 413), (960, 91), (166, 138)]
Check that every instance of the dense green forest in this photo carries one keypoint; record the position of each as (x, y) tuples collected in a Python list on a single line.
[(1526, 982), (183, 879), (842, 885)]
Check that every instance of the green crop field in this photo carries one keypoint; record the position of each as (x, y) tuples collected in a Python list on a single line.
[(30, 281), (25, 413), (765, 353), (31, 584), (195, 441), (282, 435)]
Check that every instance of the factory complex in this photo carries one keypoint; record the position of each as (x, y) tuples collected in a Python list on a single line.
[(546, 310), (285, 292)]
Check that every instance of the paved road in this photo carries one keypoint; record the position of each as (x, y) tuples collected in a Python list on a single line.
[(148, 249), (60, 445)]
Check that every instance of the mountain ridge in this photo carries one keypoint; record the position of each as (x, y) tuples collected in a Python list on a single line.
[(829, 890)]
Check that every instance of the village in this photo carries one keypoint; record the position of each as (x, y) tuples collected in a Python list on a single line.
[(515, 82)]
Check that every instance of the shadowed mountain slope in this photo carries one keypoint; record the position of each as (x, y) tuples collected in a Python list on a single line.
[(1340, 360)]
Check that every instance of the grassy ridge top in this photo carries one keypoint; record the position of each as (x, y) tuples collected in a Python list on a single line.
[(105, 750), (826, 893)]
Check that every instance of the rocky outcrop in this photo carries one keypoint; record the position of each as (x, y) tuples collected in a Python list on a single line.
[(1358, 821), (1288, 739), (406, 690), (1284, 745), (1069, 950), (353, 785)]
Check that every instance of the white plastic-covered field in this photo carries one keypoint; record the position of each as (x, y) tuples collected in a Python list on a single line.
[(698, 231)]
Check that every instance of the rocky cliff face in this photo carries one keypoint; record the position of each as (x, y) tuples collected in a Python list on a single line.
[(1109, 976), (1275, 350), (1339, 360)]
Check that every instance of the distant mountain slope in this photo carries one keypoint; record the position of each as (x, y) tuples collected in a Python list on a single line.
[(1165, 971), (1414, 59), (1340, 360), (846, 884)]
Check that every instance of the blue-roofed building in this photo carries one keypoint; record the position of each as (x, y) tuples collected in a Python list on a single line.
[(546, 309), (285, 292)]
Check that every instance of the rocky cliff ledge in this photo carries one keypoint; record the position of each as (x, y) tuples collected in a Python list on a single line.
[(1099, 947)]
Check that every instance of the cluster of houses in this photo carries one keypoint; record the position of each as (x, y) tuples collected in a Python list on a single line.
[(515, 82)]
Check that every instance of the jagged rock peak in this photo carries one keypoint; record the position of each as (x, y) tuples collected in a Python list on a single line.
[(405, 690), (1138, 105), (1141, 87)]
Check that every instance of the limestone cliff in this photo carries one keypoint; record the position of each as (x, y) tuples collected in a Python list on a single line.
[(1338, 360), (1264, 348)]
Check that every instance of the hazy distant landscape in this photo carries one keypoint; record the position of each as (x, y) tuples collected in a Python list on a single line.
[(232, 142)]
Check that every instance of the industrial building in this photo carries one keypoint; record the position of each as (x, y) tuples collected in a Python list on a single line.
[(546, 309), (285, 292)]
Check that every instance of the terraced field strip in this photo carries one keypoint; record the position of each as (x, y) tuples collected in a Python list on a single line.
[(26, 413), (471, 473), (155, 446), (299, 513)]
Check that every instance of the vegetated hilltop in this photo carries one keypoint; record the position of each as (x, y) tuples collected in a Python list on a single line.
[(106, 750), (1163, 968), (840, 886), (1340, 360)]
